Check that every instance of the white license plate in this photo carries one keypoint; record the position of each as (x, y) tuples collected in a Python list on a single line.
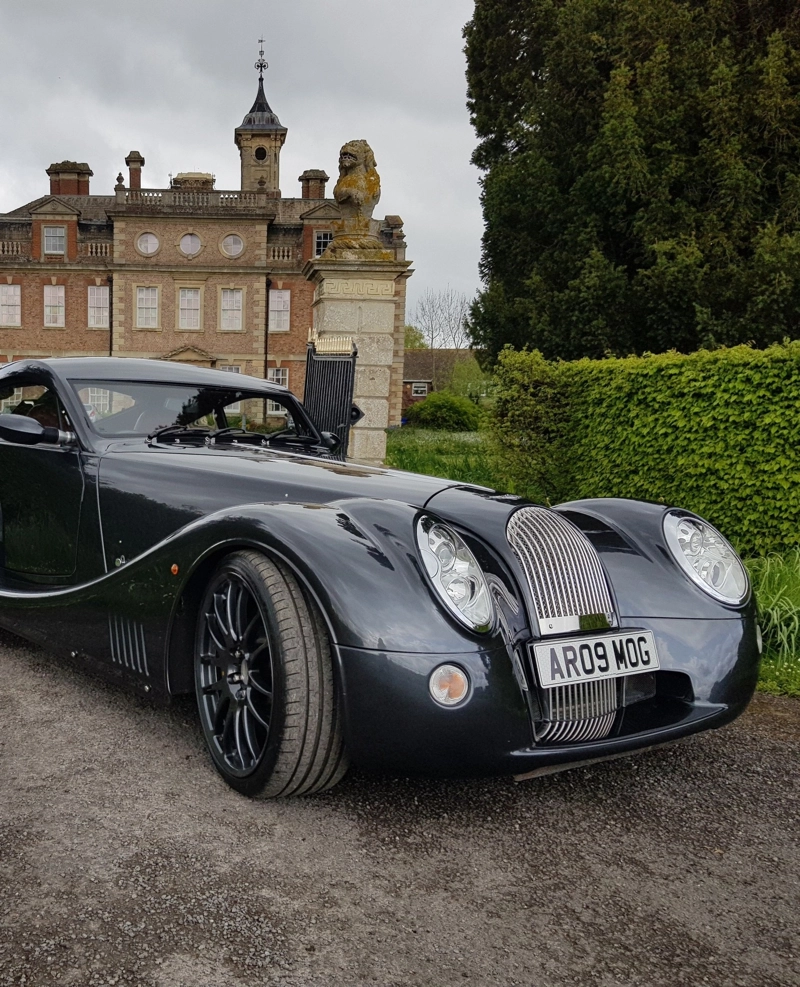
[(586, 659)]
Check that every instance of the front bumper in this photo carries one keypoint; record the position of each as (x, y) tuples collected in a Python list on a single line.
[(392, 723)]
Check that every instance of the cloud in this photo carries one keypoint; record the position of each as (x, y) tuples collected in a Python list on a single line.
[(92, 81)]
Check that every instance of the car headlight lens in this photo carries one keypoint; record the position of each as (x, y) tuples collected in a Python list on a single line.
[(455, 573), (706, 557)]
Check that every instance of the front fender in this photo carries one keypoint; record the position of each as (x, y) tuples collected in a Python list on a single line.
[(357, 559), (647, 580)]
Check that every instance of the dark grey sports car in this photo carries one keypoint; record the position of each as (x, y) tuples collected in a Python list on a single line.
[(327, 613)]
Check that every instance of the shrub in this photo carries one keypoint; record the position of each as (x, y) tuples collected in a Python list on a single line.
[(445, 412), (776, 581), (714, 432)]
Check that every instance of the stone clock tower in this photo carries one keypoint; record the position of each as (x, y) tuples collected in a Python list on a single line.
[(260, 139)]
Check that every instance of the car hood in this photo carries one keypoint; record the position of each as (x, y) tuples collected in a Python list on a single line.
[(299, 477)]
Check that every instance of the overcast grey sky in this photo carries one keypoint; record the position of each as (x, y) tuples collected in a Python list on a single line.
[(92, 80)]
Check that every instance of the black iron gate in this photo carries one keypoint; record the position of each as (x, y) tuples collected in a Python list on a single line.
[(330, 378)]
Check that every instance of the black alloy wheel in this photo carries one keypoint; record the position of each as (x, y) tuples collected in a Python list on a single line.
[(264, 682)]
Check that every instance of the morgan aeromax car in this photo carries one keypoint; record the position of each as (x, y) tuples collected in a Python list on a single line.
[(184, 530)]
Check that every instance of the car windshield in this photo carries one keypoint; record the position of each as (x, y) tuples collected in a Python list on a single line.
[(117, 409)]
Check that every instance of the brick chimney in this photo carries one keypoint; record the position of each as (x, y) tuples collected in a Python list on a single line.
[(135, 163), (69, 178), (313, 183)]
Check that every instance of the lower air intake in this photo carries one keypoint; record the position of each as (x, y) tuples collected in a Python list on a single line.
[(577, 713)]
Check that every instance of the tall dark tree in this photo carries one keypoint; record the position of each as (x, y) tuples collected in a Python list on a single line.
[(642, 173)]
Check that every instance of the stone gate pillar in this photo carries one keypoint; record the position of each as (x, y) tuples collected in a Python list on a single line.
[(364, 299)]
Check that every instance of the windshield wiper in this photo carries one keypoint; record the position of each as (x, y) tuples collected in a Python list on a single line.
[(179, 431)]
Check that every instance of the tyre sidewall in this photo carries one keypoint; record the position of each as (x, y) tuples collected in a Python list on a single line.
[(254, 782)]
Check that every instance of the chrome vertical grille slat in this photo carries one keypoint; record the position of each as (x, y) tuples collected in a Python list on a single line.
[(561, 565), (578, 712), (567, 582)]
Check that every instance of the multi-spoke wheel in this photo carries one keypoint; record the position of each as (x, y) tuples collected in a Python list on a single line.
[(264, 682)]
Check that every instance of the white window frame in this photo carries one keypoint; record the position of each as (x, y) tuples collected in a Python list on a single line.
[(190, 253), (317, 236), (100, 399), (280, 310), (10, 303), (416, 392), (144, 303), (228, 313), (222, 249), (51, 234), (55, 307), (147, 253), (7, 405), (232, 368), (97, 300), (278, 375), (190, 316)]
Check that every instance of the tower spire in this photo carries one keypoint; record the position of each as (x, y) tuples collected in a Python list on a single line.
[(261, 64), (260, 138)]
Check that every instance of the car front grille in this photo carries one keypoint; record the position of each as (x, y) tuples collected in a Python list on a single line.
[(578, 712), (567, 583), (562, 567)]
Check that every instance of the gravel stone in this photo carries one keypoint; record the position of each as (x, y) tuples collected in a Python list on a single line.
[(125, 860)]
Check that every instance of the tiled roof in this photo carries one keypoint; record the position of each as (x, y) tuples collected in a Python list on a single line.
[(434, 365), (93, 208)]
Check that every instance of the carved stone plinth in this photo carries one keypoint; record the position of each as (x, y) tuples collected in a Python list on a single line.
[(365, 300)]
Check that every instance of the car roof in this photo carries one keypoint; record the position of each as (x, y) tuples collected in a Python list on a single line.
[(157, 371)]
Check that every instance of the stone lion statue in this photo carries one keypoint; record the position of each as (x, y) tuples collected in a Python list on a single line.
[(357, 192)]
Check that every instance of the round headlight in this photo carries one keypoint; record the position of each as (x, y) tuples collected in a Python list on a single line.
[(706, 557), (455, 573)]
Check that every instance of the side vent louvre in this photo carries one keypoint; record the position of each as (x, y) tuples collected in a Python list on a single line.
[(128, 646)]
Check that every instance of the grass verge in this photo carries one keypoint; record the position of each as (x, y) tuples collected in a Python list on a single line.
[(776, 582), (466, 456), (453, 455)]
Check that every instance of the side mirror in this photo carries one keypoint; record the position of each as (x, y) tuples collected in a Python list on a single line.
[(331, 441), (356, 414), (27, 431)]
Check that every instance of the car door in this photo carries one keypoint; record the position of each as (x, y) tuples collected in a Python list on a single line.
[(41, 491)]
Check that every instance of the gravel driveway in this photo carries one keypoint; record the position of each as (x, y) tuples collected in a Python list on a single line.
[(125, 860)]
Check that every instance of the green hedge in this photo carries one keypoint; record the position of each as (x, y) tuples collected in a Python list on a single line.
[(715, 432), (446, 412)]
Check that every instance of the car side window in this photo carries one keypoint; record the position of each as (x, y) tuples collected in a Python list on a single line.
[(35, 401)]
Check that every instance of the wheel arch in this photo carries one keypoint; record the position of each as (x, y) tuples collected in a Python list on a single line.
[(183, 620)]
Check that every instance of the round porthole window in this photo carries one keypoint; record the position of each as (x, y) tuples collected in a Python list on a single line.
[(232, 245), (261, 153), (190, 244), (147, 243)]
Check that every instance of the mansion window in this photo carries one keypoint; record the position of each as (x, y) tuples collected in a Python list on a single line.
[(322, 239), (189, 306), (55, 240), (54, 305), (147, 308), (10, 305), (279, 310), (148, 243), (232, 245), (99, 399), (98, 307), (419, 390), (231, 309), (232, 409), (7, 405), (190, 244), (278, 375)]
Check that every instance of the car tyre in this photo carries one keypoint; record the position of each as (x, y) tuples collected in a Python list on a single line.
[(264, 682)]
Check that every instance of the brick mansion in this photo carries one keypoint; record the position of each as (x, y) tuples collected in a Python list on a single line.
[(189, 272)]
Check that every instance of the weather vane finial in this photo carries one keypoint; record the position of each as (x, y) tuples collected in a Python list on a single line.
[(261, 64)]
